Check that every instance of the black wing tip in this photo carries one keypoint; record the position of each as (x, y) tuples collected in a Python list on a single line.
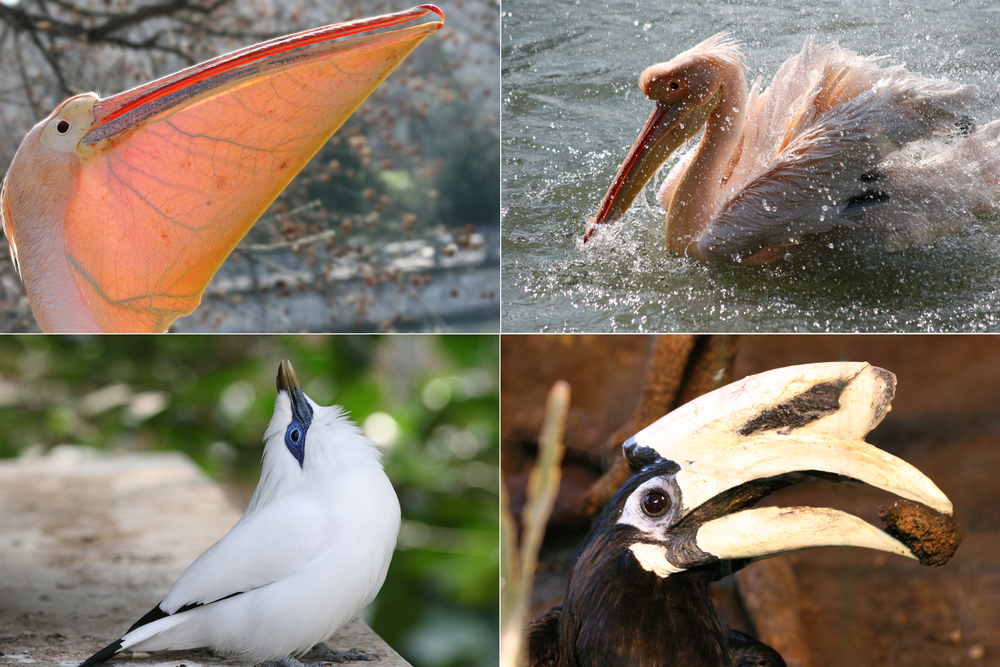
[(110, 650), (153, 614), (103, 655), (966, 125)]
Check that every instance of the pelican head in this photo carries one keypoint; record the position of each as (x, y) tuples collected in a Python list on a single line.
[(687, 90)]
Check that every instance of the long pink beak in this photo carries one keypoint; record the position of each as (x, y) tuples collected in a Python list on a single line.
[(127, 109), (668, 128)]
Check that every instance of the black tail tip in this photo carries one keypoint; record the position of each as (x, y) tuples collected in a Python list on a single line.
[(103, 655)]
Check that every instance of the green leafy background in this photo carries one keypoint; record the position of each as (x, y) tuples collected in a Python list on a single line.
[(434, 398)]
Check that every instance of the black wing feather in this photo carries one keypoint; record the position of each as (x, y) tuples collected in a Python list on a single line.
[(154, 614), (749, 652), (543, 639), (103, 655), (111, 649)]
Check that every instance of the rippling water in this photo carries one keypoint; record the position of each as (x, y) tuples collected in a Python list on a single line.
[(571, 109)]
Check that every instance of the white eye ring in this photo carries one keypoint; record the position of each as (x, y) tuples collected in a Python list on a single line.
[(637, 513)]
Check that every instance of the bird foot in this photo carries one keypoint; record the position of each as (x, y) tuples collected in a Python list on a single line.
[(283, 662), (324, 654), (327, 654)]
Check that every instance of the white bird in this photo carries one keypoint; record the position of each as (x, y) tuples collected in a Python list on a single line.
[(311, 551)]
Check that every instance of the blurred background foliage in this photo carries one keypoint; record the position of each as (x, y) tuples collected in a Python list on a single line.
[(429, 402)]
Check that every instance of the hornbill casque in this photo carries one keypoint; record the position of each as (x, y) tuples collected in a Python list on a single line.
[(638, 594)]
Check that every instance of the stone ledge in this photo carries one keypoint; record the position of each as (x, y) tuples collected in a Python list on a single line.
[(89, 542)]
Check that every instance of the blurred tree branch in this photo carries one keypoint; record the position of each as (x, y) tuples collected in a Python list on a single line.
[(35, 19)]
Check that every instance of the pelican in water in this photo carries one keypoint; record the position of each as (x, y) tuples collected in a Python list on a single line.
[(837, 144)]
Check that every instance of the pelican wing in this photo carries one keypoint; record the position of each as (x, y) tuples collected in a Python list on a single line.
[(807, 85), (179, 170), (932, 192), (825, 159)]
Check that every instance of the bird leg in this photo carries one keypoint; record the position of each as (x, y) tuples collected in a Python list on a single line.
[(325, 653), (282, 662)]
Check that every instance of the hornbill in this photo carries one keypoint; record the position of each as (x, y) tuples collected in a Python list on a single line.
[(638, 594)]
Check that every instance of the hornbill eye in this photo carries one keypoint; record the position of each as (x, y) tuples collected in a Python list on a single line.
[(655, 503)]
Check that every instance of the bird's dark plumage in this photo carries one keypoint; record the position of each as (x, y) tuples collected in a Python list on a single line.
[(666, 621), (103, 655), (154, 614), (111, 649), (748, 652), (543, 639)]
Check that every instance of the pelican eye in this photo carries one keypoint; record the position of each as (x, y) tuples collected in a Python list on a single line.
[(294, 435), (655, 503), (674, 85), (62, 127)]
